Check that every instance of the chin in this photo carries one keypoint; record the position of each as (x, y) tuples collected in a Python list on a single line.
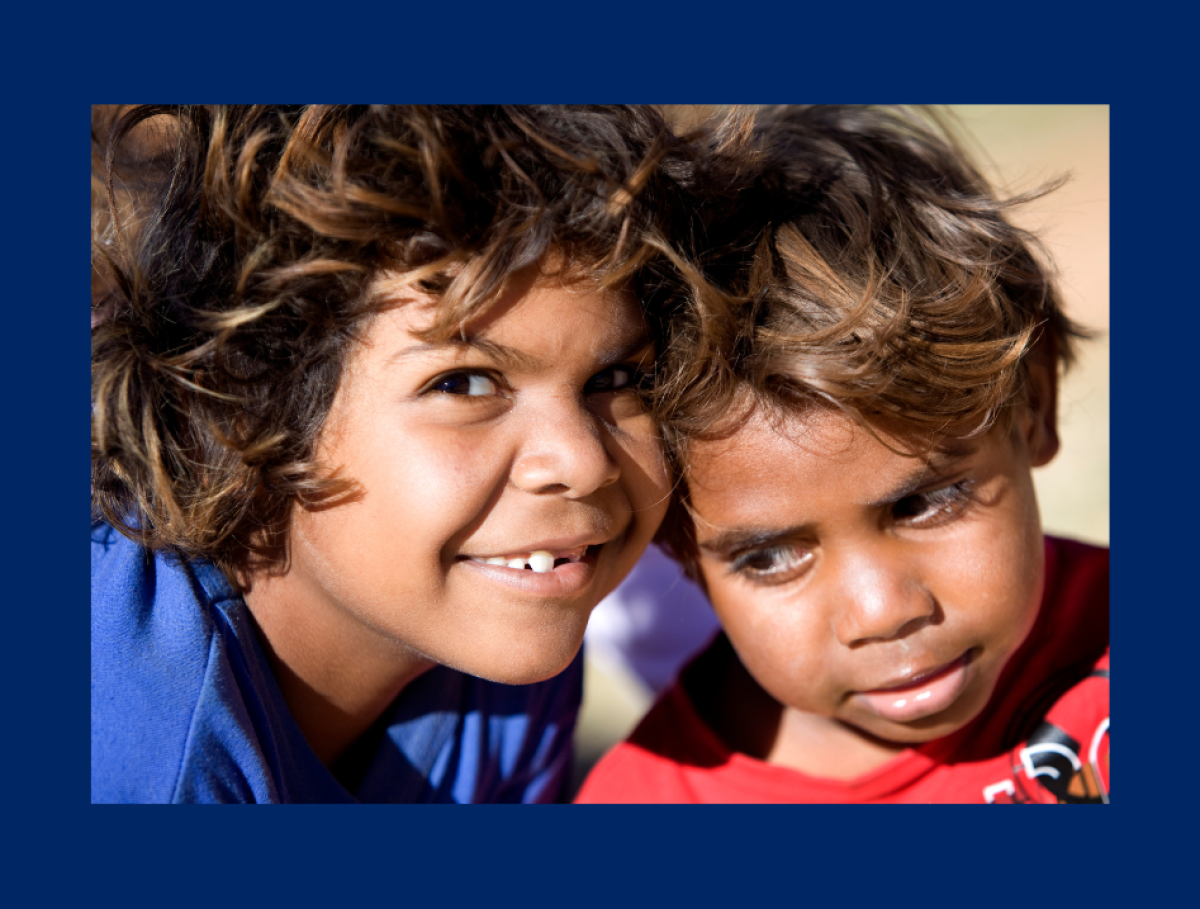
[(916, 734), (526, 672), (930, 729), (523, 662)]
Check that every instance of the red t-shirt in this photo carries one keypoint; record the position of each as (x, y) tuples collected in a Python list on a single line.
[(1042, 738)]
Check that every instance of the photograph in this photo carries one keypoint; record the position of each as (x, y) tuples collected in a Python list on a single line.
[(637, 454)]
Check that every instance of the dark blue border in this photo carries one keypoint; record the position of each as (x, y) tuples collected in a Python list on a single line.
[(620, 52)]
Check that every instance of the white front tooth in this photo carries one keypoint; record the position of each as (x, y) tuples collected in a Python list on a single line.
[(541, 561), (516, 563), (496, 560)]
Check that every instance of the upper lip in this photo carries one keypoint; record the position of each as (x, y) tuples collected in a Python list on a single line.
[(913, 678)]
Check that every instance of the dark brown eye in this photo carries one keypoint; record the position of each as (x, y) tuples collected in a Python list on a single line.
[(933, 506), (772, 564), (909, 507), (466, 383), (616, 378)]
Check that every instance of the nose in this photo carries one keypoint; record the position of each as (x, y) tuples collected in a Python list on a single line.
[(881, 597), (564, 452)]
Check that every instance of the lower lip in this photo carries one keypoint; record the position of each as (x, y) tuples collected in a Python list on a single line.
[(931, 695), (566, 580)]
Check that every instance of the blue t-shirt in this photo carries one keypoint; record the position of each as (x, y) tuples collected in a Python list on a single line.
[(185, 707)]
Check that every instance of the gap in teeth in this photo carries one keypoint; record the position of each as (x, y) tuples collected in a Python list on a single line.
[(538, 562)]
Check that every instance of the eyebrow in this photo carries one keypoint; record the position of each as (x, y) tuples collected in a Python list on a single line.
[(933, 470), (936, 466), (508, 357), (513, 358), (930, 471), (738, 538)]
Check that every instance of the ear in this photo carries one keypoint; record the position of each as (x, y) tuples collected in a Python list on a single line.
[(1039, 423)]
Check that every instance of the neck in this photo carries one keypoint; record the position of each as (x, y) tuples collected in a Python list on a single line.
[(822, 747), (750, 721), (336, 674)]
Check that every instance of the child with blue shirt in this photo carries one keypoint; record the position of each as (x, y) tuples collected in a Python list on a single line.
[(368, 440)]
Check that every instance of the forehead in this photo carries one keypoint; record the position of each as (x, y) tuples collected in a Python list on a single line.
[(792, 464), (539, 291), (536, 323), (763, 447)]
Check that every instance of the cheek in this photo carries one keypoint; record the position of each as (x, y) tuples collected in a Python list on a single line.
[(996, 581), (442, 476), (1019, 591), (417, 489), (782, 644), (637, 448)]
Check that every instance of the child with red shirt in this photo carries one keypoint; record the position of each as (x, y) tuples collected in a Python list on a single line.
[(857, 500)]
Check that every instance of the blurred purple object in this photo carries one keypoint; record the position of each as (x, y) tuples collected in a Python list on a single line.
[(652, 623)]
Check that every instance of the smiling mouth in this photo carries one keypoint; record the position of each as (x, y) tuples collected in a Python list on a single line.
[(539, 561)]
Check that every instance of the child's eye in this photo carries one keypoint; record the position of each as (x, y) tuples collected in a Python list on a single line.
[(471, 384), (928, 509), (771, 564), (616, 378)]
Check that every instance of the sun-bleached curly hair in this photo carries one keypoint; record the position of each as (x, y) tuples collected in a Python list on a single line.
[(232, 248), (885, 279)]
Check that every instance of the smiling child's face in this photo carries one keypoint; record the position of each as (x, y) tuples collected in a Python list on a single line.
[(524, 445), (865, 590)]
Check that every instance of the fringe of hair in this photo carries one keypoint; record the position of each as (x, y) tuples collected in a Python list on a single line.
[(233, 247), (883, 279)]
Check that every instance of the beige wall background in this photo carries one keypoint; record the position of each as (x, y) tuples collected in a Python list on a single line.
[(1019, 147), (1022, 146)]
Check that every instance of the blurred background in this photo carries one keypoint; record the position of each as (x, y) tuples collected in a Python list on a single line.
[(1019, 147)]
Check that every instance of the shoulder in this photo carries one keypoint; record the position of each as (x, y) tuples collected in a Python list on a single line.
[(529, 735), (151, 641), (1066, 758), (148, 621), (668, 754), (1077, 574), (1072, 629), (662, 758)]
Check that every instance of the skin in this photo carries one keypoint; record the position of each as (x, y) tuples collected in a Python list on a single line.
[(839, 568), (526, 435)]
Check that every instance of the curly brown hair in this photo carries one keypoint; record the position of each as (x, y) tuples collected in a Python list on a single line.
[(884, 279), (232, 251)]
